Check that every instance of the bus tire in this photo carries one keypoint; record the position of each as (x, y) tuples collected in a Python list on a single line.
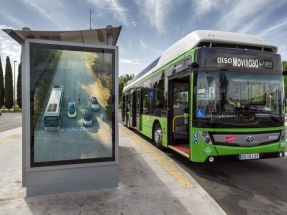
[(157, 136)]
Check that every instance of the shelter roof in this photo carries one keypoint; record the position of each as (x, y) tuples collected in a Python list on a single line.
[(91, 36)]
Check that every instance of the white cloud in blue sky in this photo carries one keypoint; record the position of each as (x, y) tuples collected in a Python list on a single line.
[(148, 27)]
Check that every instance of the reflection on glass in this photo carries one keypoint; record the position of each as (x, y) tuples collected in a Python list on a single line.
[(154, 101), (72, 105), (239, 99)]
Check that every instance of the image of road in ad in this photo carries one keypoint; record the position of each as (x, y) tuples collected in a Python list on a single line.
[(74, 115)]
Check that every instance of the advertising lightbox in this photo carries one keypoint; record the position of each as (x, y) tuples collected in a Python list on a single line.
[(69, 118)]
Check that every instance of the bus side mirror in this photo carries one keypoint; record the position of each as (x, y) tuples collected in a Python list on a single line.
[(193, 65), (284, 73)]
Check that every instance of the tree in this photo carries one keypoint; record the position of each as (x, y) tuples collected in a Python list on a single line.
[(19, 87), (122, 80), (1, 86), (8, 85)]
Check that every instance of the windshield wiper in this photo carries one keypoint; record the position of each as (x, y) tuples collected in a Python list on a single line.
[(271, 116), (275, 118), (214, 121)]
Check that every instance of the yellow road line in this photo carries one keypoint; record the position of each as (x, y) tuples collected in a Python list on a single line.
[(168, 166), (11, 137)]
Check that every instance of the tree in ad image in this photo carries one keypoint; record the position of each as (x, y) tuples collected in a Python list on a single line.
[(8, 85)]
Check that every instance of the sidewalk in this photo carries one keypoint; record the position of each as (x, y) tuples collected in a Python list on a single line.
[(149, 183)]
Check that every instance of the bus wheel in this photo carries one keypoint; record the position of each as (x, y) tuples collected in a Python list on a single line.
[(157, 136)]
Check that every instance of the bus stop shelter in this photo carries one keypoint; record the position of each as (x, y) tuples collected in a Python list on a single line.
[(69, 147)]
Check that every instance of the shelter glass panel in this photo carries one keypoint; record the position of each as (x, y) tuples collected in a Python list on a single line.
[(72, 99)]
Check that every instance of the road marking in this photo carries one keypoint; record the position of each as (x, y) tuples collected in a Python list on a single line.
[(11, 137), (157, 155), (10, 124)]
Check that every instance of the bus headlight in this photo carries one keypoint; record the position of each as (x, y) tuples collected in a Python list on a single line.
[(204, 133), (205, 137)]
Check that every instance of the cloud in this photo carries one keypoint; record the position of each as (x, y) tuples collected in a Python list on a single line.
[(144, 46), (8, 48), (283, 52), (129, 61), (18, 23), (202, 7), (156, 12), (245, 14), (134, 23), (239, 16), (54, 10), (6, 27), (277, 26), (113, 7)]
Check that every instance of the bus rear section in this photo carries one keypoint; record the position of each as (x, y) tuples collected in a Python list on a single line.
[(53, 112)]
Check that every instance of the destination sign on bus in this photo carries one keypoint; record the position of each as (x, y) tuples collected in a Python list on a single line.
[(244, 61)]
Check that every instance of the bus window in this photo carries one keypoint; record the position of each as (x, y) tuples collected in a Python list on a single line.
[(158, 105), (146, 101), (180, 97)]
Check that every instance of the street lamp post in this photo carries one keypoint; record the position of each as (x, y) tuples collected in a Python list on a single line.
[(14, 86)]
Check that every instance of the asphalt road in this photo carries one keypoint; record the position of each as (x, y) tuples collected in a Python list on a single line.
[(10, 120), (240, 187)]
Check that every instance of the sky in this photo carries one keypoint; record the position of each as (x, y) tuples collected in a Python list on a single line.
[(148, 26)]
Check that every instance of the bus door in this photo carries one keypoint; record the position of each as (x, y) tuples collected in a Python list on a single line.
[(138, 109), (134, 109), (123, 108), (128, 109), (178, 118)]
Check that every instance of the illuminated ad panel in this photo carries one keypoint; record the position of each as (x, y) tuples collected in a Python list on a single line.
[(72, 104)]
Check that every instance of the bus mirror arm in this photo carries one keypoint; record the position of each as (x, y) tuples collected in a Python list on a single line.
[(284, 73), (193, 65)]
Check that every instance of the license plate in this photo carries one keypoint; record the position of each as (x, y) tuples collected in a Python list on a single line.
[(248, 156)]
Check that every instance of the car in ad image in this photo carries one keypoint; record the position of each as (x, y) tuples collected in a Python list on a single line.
[(72, 109), (94, 103), (87, 117)]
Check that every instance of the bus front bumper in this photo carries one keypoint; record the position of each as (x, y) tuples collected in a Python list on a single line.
[(247, 153)]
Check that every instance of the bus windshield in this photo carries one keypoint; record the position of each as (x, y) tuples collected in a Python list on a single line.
[(51, 122), (233, 99)]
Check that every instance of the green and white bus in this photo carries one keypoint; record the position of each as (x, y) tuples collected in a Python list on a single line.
[(183, 100)]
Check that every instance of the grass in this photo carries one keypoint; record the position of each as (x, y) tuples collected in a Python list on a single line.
[(5, 110), (12, 111)]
